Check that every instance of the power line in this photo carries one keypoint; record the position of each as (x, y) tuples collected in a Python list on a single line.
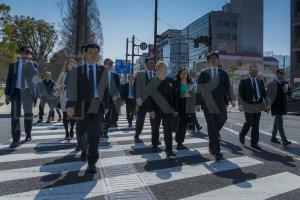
[(170, 25)]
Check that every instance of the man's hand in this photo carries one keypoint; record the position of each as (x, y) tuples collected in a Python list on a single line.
[(198, 108), (123, 103), (233, 104), (139, 101), (152, 114), (106, 111), (267, 109), (114, 98), (7, 99), (70, 112), (241, 109)]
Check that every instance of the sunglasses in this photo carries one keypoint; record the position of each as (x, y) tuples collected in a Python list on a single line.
[(28, 51)]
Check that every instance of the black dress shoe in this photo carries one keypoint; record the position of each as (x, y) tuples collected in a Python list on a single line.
[(242, 140), (274, 140), (92, 169), (14, 145), (219, 156), (154, 148), (28, 139), (39, 121), (171, 154), (71, 134), (130, 125), (256, 147), (83, 156), (179, 146), (159, 143), (77, 148), (286, 143), (67, 138)]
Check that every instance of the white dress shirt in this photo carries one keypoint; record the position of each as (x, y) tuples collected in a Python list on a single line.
[(18, 84)]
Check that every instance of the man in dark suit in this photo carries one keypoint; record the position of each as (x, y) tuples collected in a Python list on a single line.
[(252, 95), (278, 90), (46, 95), (142, 95), (213, 85), (127, 95), (88, 101), (112, 116), (21, 89)]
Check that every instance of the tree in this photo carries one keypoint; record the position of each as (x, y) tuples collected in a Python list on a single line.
[(80, 25), (38, 34)]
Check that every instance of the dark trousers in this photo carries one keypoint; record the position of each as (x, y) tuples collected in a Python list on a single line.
[(89, 129), (167, 129), (278, 126), (66, 123), (130, 109), (182, 127), (215, 122), (194, 121), (21, 97), (51, 105), (140, 120), (252, 121), (112, 116)]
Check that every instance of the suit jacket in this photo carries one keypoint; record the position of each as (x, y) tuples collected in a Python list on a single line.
[(246, 96), (277, 97), (125, 91), (115, 85), (77, 91), (214, 94), (142, 91), (30, 77)]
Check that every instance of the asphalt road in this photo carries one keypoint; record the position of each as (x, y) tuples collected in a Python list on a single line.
[(48, 168)]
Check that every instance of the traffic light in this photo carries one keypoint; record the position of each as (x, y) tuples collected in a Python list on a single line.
[(206, 40)]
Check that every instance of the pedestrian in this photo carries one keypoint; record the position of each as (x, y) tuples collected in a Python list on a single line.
[(88, 101), (128, 97), (162, 104), (278, 90), (185, 103), (213, 87), (143, 78), (112, 116), (252, 100), (46, 91), (61, 82), (20, 90)]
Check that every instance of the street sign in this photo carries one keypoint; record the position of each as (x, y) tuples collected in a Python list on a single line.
[(120, 66), (143, 46)]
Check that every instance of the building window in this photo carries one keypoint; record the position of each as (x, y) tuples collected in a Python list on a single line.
[(223, 23), (223, 36)]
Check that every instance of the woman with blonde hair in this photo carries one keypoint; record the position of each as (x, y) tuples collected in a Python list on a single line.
[(61, 84), (162, 93)]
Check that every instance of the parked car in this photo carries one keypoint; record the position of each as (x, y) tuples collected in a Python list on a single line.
[(293, 101)]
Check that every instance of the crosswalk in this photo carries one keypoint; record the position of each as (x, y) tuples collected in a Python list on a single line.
[(49, 168)]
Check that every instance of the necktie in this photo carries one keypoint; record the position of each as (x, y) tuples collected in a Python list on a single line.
[(23, 76), (90, 88), (254, 89)]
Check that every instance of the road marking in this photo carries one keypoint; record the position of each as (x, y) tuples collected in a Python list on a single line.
[(102, 187), (71, 152), (30, 172), (258, 189)]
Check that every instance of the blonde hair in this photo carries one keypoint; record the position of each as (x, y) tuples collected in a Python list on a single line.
[(161, 64)]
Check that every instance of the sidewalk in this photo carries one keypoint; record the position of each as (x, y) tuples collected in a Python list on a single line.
[(5, 109)]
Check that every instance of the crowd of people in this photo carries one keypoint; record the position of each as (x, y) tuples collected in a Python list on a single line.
[(91, 95)]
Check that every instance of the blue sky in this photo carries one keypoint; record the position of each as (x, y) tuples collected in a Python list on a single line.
[(122, 18)]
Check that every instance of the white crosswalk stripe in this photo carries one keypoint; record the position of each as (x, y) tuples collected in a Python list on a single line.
[(128, 170)]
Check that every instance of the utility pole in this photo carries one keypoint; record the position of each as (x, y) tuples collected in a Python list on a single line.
[(155, 30), (132, 53)]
